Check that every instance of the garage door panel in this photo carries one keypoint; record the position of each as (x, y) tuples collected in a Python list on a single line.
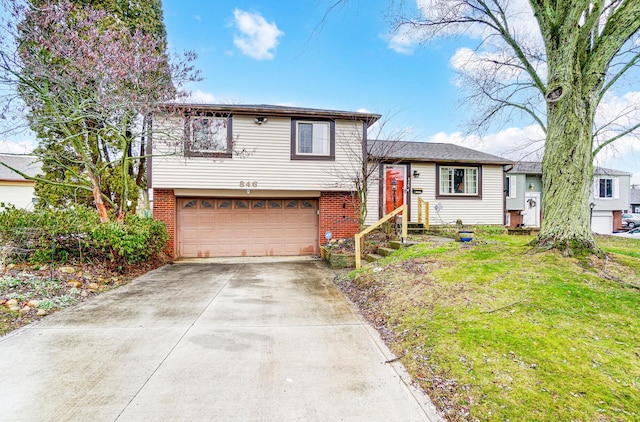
[(240, 227)]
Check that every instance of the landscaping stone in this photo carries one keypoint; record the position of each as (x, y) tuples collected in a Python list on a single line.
[(93, 287), (42, 312), (67, 270), (84, 293), (25, 310), (34, 303), (12, 302), (14, 308), (74, 283)]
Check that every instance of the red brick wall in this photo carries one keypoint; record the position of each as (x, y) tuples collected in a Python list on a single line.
[(617, 220), (337, 215), (515, 218), (164, 209)]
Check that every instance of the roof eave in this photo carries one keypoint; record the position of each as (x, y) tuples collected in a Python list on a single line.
[(369, 118)]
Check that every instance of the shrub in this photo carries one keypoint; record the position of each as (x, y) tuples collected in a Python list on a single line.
[(58, 236), (131, 242)]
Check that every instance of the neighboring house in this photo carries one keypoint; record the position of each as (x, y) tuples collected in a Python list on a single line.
[(15, 189), (458, 183), (523, 190), (252, 180), (634, 199)]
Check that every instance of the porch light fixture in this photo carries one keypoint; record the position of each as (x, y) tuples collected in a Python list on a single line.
[(260, 120), (416, 174), (530, 186)]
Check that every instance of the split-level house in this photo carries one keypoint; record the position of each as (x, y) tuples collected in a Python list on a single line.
[(609, 197), (457, 183), (254, 180), (14, 188)]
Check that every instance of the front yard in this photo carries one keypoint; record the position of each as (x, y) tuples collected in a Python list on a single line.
[(30, 292), (494, 331)]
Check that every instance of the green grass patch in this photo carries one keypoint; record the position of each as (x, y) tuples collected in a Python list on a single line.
[(496, 331)]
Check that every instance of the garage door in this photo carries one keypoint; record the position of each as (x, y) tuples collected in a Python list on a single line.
[(602, 222), (246, 227)]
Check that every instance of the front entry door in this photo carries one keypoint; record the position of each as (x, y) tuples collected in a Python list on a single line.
[(531, 214), (395, 178)]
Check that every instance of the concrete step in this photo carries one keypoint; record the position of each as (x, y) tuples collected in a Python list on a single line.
[(385, 251), (396, 244), (372, 257)]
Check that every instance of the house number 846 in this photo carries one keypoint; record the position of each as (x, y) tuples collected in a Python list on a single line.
[(248, 184)]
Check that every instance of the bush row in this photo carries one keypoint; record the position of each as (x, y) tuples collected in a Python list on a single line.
[(58, 236)]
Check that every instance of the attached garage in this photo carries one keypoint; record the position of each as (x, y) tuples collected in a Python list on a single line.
[(212, 227), (602, 222)]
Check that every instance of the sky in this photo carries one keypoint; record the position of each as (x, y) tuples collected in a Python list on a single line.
[(298, 53)]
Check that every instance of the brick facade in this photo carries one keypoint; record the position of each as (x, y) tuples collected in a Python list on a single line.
[(617, 220), (337, 215), (515, 218), (164, 209)]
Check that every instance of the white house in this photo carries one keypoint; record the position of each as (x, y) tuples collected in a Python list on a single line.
[(458, 183), (15, 189), (609, 196)]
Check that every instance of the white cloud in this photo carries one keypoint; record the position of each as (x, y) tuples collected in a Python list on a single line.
[(257, 37), (199, 97), (403, 40), (513, 143)]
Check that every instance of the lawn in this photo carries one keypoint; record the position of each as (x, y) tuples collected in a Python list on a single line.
[(493, 330)]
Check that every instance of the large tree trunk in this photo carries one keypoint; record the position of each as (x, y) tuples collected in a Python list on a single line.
[(567, 166)]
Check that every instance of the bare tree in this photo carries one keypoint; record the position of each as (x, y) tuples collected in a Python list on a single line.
[(553, 62), (361, 170)]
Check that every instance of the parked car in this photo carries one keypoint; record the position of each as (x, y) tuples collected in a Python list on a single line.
[(633, 233), (630, 220)]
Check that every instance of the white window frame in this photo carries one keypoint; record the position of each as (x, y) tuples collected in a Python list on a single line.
[(615, 188), (447, 179), (320, 138)]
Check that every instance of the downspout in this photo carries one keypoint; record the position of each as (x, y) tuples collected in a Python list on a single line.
[(505, 169)]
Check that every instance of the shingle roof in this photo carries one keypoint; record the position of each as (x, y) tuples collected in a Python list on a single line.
[(535, 167), (27, 164), (275, 110), (431, 152)]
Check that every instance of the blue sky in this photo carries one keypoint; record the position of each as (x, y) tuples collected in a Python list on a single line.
[(282, 52), (346, 64)]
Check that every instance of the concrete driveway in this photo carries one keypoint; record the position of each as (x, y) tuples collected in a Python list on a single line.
[(229, 340)]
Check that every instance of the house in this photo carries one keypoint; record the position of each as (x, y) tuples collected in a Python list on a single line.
[(15, 189), (458, 183), (253, 180), (634, 199), (609, 196)]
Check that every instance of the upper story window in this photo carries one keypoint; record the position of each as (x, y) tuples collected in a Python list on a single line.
[(458, 181), (208, 136), (312, 140), (606, 188)]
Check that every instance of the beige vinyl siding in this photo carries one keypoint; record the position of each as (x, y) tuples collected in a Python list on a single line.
[(265, 164), (20, 194), (373, 198), (488, 210)]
